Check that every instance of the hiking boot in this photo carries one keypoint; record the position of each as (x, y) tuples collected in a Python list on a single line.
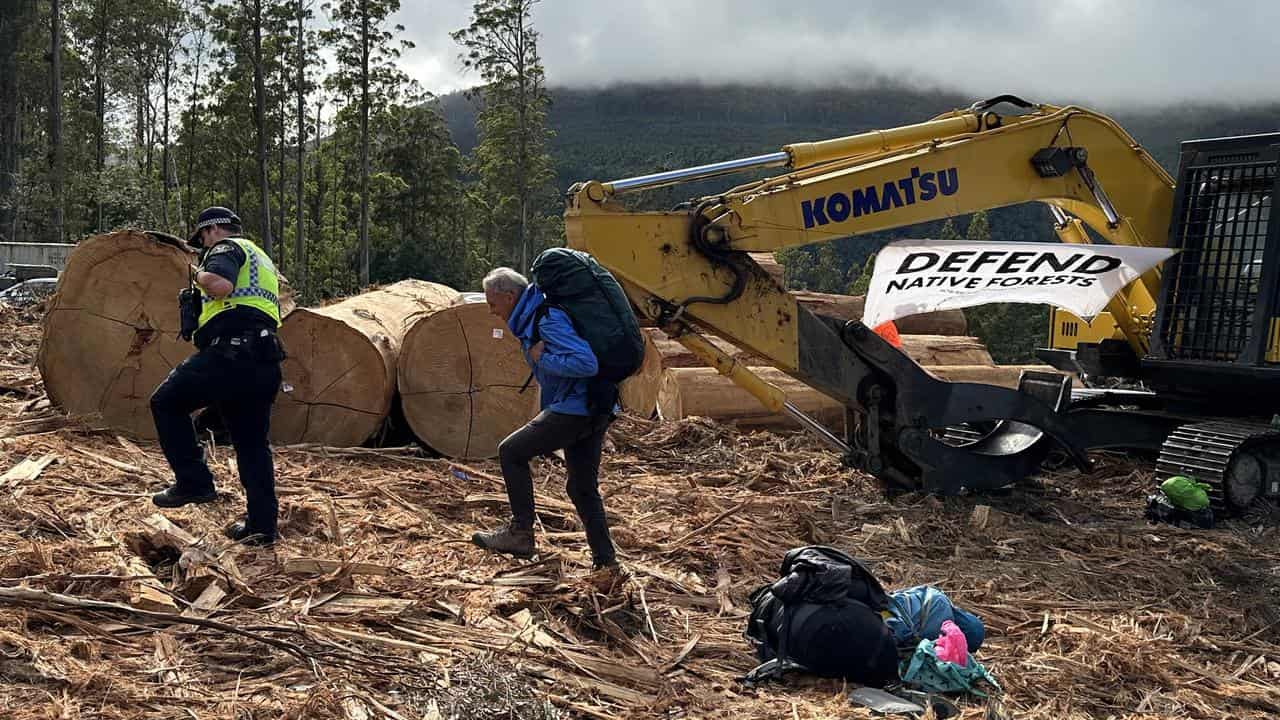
[(607, 577), (507, 539), (175, 496), (241, 533)]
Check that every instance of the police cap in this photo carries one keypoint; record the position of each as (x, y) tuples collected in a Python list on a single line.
[(211, 216)]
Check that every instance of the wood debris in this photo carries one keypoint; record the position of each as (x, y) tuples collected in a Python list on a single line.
[(376, 605)]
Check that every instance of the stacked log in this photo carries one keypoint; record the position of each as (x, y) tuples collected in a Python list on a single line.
[(849, 307), (111, 331), (771, 266), (638, 394), (701, 391), (924, 349), (460, 374), (340, 374)]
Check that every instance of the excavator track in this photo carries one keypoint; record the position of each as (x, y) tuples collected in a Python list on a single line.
[(1206, 451)]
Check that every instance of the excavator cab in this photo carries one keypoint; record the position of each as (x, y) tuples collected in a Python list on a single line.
[(1214, 361), (1215, 337), (1217, 329)]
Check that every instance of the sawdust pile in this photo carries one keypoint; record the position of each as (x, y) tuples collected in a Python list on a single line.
[(376, 606)]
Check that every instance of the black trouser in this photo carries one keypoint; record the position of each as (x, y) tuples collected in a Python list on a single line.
[(581, 437), (242, 389)]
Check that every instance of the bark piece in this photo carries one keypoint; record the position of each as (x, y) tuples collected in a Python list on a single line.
[(341, 367), (460, 377)]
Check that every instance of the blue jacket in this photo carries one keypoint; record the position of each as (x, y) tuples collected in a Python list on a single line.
[(918, 612), (567, 361)]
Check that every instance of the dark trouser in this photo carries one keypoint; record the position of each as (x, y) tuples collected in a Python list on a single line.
[(581, 437), (242, 390)]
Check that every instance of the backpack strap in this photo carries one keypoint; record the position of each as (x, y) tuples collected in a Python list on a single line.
[(782, 663), (535, 337)]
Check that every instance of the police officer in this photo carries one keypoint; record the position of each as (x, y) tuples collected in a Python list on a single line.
[(235, 371)]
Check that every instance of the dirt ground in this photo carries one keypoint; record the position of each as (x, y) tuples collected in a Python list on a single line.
[(375, 605)]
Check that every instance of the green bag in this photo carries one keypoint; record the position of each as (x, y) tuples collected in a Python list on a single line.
[(925, 671), (1186, 493)]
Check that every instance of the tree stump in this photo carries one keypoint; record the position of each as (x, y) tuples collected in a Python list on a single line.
[(110, 335), (340, 374), (460, 375)]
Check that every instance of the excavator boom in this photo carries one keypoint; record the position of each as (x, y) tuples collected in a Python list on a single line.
[(688, 270)]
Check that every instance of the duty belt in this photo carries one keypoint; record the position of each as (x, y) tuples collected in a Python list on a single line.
[(245, 338)]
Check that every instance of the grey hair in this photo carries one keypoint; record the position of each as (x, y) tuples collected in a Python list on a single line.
[(505, 280)]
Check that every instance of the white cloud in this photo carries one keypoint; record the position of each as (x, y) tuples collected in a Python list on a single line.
[(1140, 51)]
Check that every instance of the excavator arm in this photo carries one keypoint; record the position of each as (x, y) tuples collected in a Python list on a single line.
[(688, 269)]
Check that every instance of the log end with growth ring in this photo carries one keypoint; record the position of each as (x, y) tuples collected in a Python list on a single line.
[(460, 375), (111, 330)]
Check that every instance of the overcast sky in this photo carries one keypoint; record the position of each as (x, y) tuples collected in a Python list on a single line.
[(1142, 51)]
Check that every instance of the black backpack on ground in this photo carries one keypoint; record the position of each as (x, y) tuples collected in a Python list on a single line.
[(822, 617), (600, 312)]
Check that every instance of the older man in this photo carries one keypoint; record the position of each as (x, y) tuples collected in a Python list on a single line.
[(563, 363)]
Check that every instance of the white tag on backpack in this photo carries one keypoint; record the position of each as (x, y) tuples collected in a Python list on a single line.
[(497, 333)]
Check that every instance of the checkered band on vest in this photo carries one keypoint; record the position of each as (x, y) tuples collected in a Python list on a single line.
[(253, 290)]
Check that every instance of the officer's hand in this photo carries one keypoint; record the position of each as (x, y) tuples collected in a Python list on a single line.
[(535, 352)]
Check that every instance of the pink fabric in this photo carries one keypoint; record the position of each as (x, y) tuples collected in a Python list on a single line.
[(951, 646)]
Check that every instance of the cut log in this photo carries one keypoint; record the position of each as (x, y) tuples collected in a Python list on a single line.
[(341, 363), (930, 350), (849, 307), (460, 375), (1002, 375), (675, 355), (638, 394), (701, 391), (770, 265), (111, 331), (924, 349)]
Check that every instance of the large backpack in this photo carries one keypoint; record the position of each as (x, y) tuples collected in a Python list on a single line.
[(823, 617), (600, 312)]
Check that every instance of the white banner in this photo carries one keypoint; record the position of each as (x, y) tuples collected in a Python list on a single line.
[(919, 276)]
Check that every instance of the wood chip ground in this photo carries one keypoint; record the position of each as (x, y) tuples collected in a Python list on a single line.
[(375, 605)]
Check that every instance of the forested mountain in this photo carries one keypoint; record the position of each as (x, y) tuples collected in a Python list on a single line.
[(626, 130)]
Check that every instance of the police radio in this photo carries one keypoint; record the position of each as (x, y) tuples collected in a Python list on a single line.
[(189, 307)]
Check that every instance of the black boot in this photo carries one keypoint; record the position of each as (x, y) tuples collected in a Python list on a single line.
[(241, 533), (507, 539), (175, 496)]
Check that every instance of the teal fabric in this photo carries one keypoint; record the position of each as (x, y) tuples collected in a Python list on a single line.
[(925, 671)]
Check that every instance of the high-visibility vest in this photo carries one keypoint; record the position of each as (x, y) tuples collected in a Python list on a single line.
[(257, 286)]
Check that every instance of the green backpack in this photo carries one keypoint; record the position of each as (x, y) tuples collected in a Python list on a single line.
[(600, 312)]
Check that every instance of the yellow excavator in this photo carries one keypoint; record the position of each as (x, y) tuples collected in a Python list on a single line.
[(1199, 337)]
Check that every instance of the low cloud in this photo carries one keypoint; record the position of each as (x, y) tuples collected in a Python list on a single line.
[(1132, 52)]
